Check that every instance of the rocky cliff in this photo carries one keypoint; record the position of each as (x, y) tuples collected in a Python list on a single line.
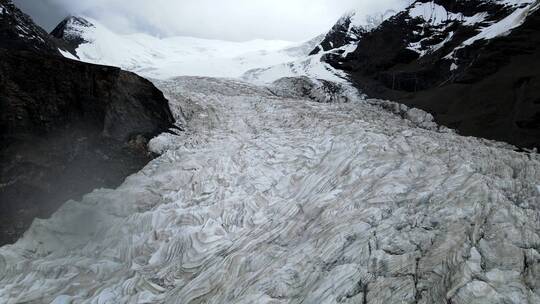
[(66, 127)]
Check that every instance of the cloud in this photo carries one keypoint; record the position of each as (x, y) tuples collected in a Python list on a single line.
[(44, 13), (223, 19)]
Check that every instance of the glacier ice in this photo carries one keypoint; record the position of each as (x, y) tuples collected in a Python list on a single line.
[(270, 197)]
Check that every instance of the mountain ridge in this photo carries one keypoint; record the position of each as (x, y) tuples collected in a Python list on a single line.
[(67, 31), (448, 57), (18, 31)]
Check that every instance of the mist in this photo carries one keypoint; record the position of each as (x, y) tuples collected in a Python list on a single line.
[(237, 20)]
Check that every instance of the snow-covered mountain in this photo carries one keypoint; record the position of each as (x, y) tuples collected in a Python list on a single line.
[(163, 58), (349, 29), (259, 61), (429, 27), (342, 38), (474, 64)]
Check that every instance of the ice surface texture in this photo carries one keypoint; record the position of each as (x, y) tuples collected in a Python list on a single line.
[(273, 199)]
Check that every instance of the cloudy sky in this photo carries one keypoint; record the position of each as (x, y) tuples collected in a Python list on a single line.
[(218, 19)]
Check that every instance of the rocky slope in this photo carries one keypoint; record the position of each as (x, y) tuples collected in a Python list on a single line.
[(473, 64), (66, 127)]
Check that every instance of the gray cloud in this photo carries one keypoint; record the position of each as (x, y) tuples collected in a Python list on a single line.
[(219, 19), (45, 13)]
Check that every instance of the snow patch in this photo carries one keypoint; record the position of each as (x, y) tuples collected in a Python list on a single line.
[(505, 26), (477, 18), (437, 15), (429, 12), (433, 13), (67, 54), (368, 22), (515, 2), (419, 48), (312, 67), (349, 49)]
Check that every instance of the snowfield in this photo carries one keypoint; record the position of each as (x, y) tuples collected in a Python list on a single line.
[(162, 58), (271, 197)]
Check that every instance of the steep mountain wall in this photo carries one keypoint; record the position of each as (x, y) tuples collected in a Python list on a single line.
[(66, 127), (473, 64)]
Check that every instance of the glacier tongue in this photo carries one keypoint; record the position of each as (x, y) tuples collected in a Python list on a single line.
[(274, 198)]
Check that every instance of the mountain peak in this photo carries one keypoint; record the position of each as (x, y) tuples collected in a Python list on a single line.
[(344, 32), (70, 32), (70, 27), (350, 28)]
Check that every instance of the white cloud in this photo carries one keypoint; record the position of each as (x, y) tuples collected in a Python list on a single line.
[(224, 19)]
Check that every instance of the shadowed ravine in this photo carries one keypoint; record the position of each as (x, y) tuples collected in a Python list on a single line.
[(270, 197)]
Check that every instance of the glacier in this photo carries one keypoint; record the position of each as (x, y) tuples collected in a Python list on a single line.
[(286, 185), (274, 194)]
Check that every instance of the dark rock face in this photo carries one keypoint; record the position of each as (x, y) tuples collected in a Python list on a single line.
[(481, 87), (41, 93), (18, 31), (66, 128)]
